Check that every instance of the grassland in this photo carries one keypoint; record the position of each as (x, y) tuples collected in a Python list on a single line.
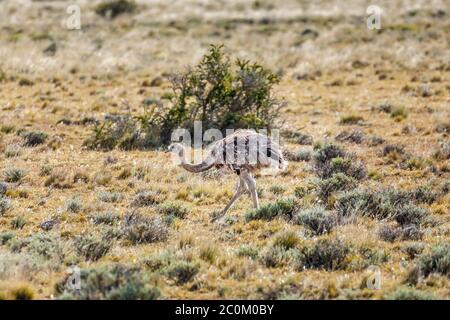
[(382, 96)]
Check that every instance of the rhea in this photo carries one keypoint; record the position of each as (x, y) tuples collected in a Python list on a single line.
[(245, 152)]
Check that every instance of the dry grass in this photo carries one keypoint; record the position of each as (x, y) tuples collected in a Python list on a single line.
[(387, 90)]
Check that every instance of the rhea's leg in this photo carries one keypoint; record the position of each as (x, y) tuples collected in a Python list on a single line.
[(251, 185), (239, 190)]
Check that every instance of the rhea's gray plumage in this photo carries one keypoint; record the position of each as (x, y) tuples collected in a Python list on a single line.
[(244, 152)]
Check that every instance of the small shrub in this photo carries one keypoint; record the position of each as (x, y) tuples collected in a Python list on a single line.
[(58, 179), (299, 138), (108, 218), (6, 237), (6, 128), (5, 205), (33, 139), (112, 197), (317, 219), (392, 148), (174, 209), (408, 293), (354, 136), (91, 247), (351, 120), (112, 9), (147, 198), (436, 261), (14, 175), (410, 214), (74, 205), (41, 245), (399, 113), (392, 233), (208, 253), (18, 222), (282, 207), (182, 272), (46, 170), (337, 182), (277, 189), (116, 282), (139, 229), (277, 256), (330, 159), (286, 240), (13, 151), (413, 249), (300, 191), (247, 251), (324, 254), (3, 188), (23, 293)]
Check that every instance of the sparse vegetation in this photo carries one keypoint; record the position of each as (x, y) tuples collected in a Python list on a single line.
[(85, 180)]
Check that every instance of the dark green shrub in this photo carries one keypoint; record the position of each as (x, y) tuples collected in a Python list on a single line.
[(5, 237), (33, 139), (282, 207), (112, 9), (116, 282), (222, 95), (317, 219)]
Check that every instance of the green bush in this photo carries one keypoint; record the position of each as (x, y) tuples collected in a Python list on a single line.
[(116, 282), (223, 95), (217, 92), (337, 182), (330, 159), (107, 218), (324, 254), (436, 261), (282, 207), (317, 219)]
